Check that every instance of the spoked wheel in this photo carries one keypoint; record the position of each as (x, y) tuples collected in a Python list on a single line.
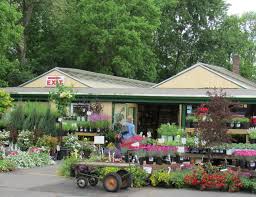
[(112, 182), (82, 182), (126, 178), (93, 180)]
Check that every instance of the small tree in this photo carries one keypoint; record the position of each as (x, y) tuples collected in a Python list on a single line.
[(5, 101), (212, 125)]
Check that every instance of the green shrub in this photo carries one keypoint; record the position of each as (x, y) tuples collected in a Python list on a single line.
[(6, 165), (104, 171), (169, 130), (65, 167), (25, 140), (177, 178), (172, 179), (3, 124), (30, 160), (139, 176), (248, 184)]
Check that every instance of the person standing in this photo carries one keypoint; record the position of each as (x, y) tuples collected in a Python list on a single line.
[(128, 129)]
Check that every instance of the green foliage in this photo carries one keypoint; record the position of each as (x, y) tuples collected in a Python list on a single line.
[(110, 136), (252, 133), (172, 179), (47, 141), (71, 142), (30, 160), (11, 73), (104, 171), (149, 40), (248, 184), (62, 97), (192, 118), (5, 101), (33, 116), (241, 120), (4, 137), (3, 123), (169, 130), (17, 115), (6, 165), (25, 140), (139, 176), (65, 167)]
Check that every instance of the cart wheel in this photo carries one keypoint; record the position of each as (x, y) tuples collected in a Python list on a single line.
[(126, 178), (112, 182), (93, 180), (82, 182)]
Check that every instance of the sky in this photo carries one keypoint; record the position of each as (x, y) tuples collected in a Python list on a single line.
[(241, 6)]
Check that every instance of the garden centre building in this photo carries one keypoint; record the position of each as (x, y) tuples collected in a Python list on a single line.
[(150, 104)]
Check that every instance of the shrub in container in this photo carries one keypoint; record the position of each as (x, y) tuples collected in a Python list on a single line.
[(191, 121)]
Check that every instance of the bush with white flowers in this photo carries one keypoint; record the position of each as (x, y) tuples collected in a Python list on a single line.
[(72, 142), (25, 140), (4, 137), (29, 160)]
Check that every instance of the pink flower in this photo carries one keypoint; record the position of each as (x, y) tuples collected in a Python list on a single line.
[(245, 153)]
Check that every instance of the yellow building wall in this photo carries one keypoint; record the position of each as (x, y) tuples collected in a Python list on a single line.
[(107, 109), (41, 82), (198, 78)]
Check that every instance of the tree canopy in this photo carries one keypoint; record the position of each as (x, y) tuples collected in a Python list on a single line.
[(147, 40)]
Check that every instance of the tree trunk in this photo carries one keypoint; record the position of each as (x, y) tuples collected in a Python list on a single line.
[(27, 10)]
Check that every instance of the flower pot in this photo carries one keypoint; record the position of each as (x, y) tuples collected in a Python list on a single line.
[(245, 125), (238, 125), (229, 151), (169, 138), (149, 160), (166, 159), (128, 158), (165, 138), (64, 152), (232, 125), (253, 141), (159, 160), (194, 150), (141, 160)]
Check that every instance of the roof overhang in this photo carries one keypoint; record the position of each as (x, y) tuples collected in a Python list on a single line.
[(136, 94)]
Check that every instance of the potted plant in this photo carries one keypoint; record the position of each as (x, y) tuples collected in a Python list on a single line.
[(150, 156), (245, 122), (159, 158), (191, 121), (141, 156), (166, 130), (252, 134), (237, 122)]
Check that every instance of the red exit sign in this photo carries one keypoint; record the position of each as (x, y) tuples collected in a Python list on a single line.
[(53, 80)]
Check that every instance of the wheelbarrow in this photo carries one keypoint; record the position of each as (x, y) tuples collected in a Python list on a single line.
[(86, 174)]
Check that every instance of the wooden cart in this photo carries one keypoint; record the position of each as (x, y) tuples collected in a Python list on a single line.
[(86, 173)]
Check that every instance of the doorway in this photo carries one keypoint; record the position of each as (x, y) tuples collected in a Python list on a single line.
[(151, 116)]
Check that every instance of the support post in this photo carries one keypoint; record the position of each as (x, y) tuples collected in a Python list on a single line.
[(183, 116)]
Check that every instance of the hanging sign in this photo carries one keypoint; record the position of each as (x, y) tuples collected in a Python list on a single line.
[(53, 80)]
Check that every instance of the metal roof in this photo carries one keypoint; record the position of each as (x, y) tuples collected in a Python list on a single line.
[(145, 92), (96, 80)]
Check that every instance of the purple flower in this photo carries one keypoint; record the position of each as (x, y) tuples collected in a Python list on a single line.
[(97, 117)]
